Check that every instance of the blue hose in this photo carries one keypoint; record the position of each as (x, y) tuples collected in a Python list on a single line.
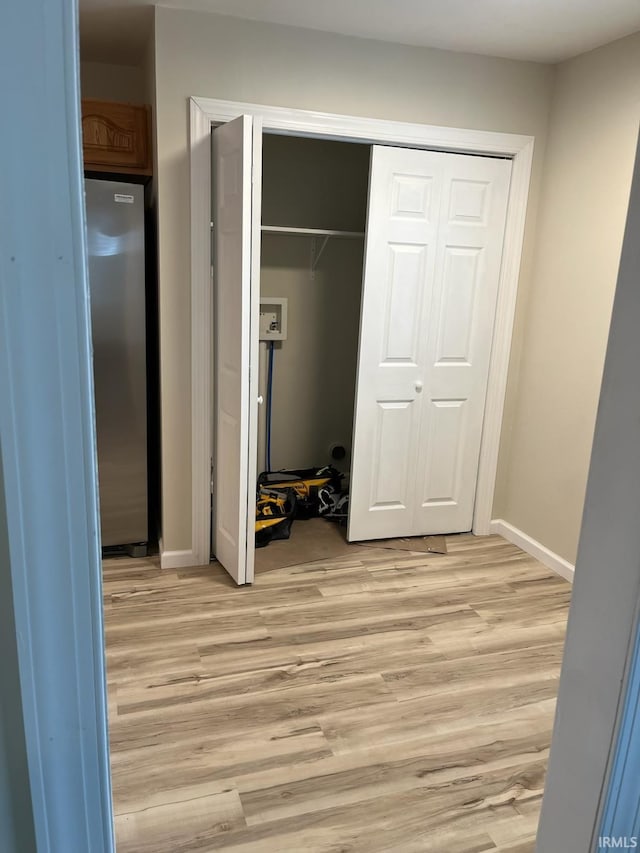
[(269, 396)]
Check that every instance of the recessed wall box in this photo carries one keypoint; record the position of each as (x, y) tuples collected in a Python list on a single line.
[(273, 318)]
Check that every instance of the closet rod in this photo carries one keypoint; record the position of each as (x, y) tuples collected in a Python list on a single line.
[(310, 232)]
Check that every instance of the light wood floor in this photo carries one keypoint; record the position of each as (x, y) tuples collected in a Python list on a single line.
[(382, 701)]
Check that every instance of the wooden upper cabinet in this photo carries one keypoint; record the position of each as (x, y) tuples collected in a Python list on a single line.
[(116, 137)]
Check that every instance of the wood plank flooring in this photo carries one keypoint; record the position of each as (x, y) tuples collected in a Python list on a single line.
[(378, 701)]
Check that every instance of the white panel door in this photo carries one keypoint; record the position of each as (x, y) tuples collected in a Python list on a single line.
[(236, 207), (435, 232)]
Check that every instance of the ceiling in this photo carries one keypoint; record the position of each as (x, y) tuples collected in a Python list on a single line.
[(539, 30)]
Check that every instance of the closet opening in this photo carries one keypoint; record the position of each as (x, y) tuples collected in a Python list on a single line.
[(376, 352), (313, 219)]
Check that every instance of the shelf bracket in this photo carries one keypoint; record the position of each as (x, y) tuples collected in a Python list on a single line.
[(316, 253)]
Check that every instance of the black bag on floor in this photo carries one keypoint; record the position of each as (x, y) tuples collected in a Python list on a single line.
[(275, 510), (305, 483)]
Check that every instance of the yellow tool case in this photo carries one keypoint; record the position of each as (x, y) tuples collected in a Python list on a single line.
[(275, 509), (305, 483)]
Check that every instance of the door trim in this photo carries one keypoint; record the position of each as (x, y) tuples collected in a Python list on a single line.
[(52, 633), (203, 113), (586, 794), (201, 346)]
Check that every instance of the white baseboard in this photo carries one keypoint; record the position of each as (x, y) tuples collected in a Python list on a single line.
[(549, 558), (176, 559)]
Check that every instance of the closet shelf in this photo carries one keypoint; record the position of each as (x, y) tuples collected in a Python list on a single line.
[(310, 232), (316, 233)]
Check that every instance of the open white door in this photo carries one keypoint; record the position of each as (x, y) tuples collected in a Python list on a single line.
[(236, 159), (435, 232)]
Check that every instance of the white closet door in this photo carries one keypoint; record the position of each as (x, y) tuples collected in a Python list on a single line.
[(432, 263), (237, 206)]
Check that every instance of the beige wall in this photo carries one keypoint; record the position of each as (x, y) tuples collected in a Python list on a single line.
[(107, 82), (315, 368), (207, 55), (586, 183)]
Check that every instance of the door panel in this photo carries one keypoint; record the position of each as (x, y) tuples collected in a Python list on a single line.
[(403, 299), (234, 498), (432, 263), (391, 482), (461, 267), (465, 291), (399, 256), (443, 453)]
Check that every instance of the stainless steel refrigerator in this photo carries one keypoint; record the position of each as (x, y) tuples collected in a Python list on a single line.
[(115, 233)]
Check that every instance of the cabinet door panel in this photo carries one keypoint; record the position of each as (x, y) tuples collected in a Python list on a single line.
[(116, 137)]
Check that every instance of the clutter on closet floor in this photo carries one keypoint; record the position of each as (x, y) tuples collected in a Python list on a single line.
[(285, 496)]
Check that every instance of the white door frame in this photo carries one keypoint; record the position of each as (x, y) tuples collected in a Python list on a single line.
[(205, 112), (55, 787)]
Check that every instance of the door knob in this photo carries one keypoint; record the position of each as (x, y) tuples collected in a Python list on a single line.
[(260, 400), (419, 385)]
